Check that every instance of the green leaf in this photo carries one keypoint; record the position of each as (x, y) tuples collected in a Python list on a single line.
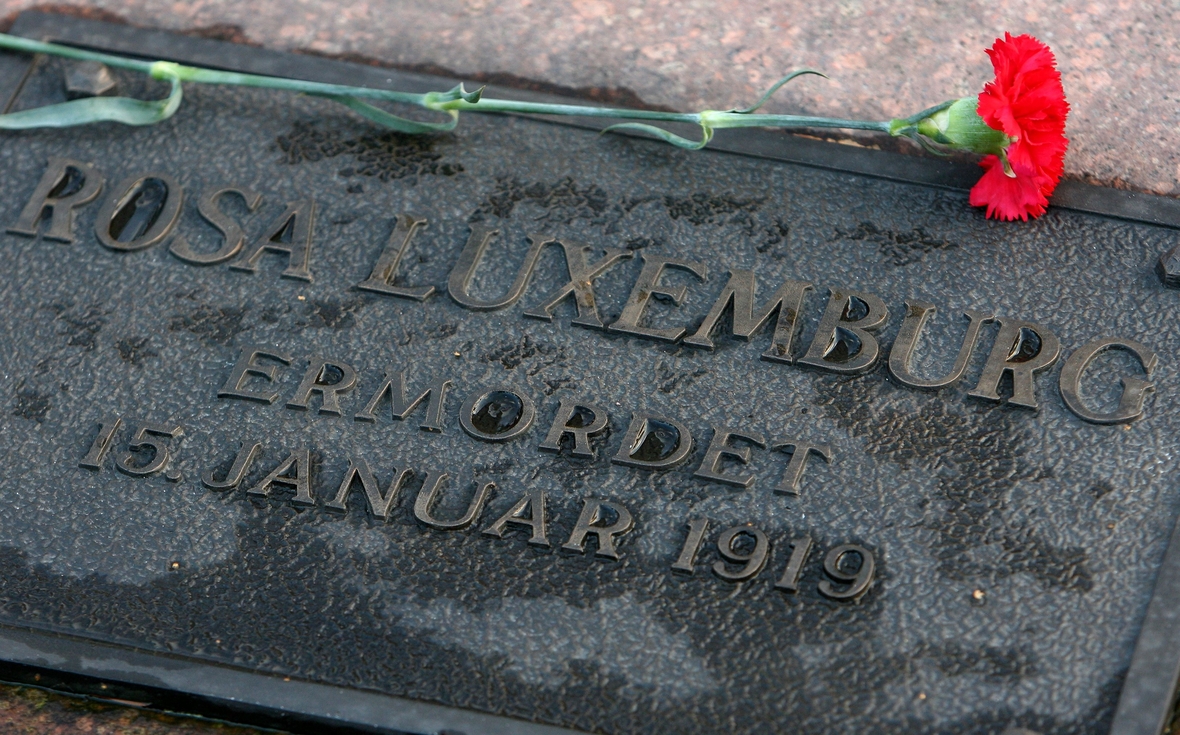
[(439, 100), (389, 120), (960, 127), (667, 137), (967, 130), (777, 86), (124, 110), (929, 146), (471, 97)]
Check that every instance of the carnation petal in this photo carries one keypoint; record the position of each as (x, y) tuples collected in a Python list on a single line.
[(1027, 90), (1009, 198), (1027, 102)]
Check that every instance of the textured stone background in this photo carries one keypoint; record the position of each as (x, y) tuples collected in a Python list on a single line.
[(885, 58), (25, 711)]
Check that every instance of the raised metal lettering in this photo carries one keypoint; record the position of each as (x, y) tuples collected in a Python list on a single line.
[(289, 234), (800, 548), (65, 186), (497, 415), (686, 562), (1022, 349), (385, 270), (752, 561), (140, 212), (315, 380), (800, 451), (739, 294), (298, 462), (594, 520), (842, 343), (719, 447), (233, 237), (379, 504), (581, 283), (858, 582), (534, 503), (101, 444), (460, 278), (245, 457), (1134, 389), (246, 366), (431, 491), (576, 419), (917, 312), (654, 443), (147, 437), (394, 383), (648, 285)]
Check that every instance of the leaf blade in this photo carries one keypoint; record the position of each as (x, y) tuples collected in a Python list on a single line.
[(775, 87), (125, 110), (666, 136), (389, 120)]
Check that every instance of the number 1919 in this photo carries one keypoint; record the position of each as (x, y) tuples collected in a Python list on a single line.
[(744, 550)]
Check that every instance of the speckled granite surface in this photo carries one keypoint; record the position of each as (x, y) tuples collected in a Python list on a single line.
[(885, 58), (27, 711)]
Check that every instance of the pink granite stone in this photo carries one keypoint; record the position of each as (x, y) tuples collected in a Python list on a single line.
[(1119, 58)]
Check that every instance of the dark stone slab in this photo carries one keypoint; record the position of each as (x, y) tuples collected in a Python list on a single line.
[(1015, 551)]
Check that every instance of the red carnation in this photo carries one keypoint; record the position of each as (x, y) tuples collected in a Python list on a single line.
[(1027, 103), (1017, 123)]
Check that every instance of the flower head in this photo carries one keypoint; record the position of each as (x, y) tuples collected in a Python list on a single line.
[(1027, 103)]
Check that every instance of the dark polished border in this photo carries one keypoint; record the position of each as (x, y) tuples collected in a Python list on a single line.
[(1145, 704), (187, 684)]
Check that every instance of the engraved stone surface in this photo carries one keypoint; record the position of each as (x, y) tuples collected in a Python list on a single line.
[(1012, 551)]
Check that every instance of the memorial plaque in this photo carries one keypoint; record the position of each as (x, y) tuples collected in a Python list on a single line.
[(525, 429)]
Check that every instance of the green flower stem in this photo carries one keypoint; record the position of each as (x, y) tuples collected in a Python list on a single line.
[(451, 102), (741, 120), (16, 43), (710, 118), (213, 76)]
